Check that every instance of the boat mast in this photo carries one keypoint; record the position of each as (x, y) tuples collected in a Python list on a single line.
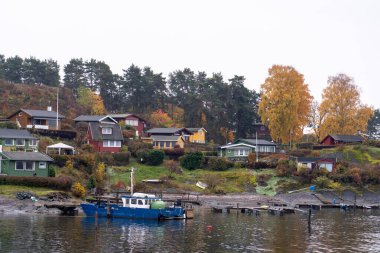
[(132, 172)]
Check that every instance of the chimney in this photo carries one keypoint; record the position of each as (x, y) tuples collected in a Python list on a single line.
[(49, 108)]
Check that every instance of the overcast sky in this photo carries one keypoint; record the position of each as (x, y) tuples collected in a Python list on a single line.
[(318, 38)]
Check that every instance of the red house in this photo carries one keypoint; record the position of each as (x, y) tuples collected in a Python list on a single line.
[(336, 139), (104, 137), (132, 120)]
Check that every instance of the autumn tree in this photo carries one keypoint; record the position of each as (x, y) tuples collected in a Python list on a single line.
[(374, 125), (160, 118), (285, 103), (343, 110), (90, 100), (227, 134)]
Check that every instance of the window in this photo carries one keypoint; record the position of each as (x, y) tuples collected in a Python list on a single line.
[(131, 122), (162, 144), (24, 165), (140, 202), (111, 143), (174, 143), (133, 201), (19, 165), (20, 142), (9, 142), (32, 142), (42, 165), (106, 130)]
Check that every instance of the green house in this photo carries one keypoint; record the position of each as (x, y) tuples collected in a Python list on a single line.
[(24, 164), (17, 140), (240, 149)]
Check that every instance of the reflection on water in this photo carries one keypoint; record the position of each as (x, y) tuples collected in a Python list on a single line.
[(332, 231)]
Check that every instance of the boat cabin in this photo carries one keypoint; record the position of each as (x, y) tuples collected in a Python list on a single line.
[(139, 200)]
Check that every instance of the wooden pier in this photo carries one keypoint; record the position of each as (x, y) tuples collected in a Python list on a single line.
[(66, 208)]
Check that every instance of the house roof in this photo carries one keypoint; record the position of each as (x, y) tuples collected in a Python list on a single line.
[(124, 115), (345, 138), (314, 159), (16, 134), (166, 137), (40, 114), (93, 118), (195, 129), (27, 156), (167, 130), (233, 145), (96, 132), (260, 142)]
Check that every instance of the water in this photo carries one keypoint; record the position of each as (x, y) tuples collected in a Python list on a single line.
[(331, 231)]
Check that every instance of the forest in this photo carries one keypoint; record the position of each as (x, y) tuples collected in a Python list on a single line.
[(226, 108)]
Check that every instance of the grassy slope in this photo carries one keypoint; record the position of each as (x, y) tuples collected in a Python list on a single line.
[(10, 191)]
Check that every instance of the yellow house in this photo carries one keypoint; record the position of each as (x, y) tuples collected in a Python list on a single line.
[(167, 142), (198, 135)]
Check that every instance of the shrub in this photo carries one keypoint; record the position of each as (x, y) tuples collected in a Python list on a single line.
[(91, 182), (219, 163), (44, 142), (141, 155), (85, 162), (59, 183), (305, 175), (120, 159), (134, 146), (60, 160), (51, 172), (213, 180), (8, 124), (78, 190), (106, 158), (285, 168), (100, 174), (210, 153), (119, 185), (155, 157), (174, 153), (251, 159), (173, 167), (192, 161), (322, 182), (87, 148), (262, 165)]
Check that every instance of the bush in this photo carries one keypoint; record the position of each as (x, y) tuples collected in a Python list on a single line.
[(155, 157), (141, 155), (172, 166), (305, 175), (78, 190), (44, 142), (135, 146), (106, 158), (51, 172), (85, 162), (251, 158), (218, 163), (192, 161), (8, 124), (210, 153), (322, 182), (174, 153), (87, 148), (59, 183), (285, 168), (213, 180), (120, 159), (60, 160), (262, 165)]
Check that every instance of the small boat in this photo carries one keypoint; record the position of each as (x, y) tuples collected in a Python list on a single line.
[(137, 206), (201, 185)]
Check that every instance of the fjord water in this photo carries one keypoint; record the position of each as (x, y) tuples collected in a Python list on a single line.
[(331, 231)]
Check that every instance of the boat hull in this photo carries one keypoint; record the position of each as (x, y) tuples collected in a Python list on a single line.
[(116, 211)]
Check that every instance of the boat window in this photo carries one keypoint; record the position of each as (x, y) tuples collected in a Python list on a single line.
[(146, 202), (141, 202), (127, 201), (133, 201)]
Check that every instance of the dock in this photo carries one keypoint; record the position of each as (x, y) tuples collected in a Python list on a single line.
[(66, 208)]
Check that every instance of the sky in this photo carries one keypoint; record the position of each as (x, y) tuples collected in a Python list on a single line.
[(319, 38)]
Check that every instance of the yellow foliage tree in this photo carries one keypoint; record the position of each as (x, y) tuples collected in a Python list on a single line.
[(341, 108), (100, 174), (91, 100), (285, 103)]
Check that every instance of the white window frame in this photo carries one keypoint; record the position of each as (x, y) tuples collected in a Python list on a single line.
[(42, 165), (24, 166), (131, 122), (22, 144), (107, 130), (111, 144), (13, 142), (31, 143)]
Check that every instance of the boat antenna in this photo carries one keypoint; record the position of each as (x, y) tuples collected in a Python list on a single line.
[(132, 172)]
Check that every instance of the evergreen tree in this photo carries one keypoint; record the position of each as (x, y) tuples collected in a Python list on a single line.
[(74, 74), (13, 69)]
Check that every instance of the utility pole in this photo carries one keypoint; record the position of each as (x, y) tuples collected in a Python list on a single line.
[(257, 150), (57, 108)]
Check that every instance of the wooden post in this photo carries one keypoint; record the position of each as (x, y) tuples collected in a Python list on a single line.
[(197, 196), (309, 220), (117, 198), (108, 208), (355, 201), (188, 196)]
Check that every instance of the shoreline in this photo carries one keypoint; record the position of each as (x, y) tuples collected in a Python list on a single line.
[(27, 206)]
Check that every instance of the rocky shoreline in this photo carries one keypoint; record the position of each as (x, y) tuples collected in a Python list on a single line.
[(28, 206)]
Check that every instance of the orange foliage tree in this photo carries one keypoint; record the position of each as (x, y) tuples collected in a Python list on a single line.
[(285, 103), (160, 118), (341, 109), (228, 134)]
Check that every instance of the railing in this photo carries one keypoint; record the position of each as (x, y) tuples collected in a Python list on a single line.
[(38, 126)]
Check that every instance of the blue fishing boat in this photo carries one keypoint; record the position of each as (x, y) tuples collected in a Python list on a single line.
[(137, 206)]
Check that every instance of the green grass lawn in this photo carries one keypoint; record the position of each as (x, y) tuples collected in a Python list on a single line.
[(9, 191)]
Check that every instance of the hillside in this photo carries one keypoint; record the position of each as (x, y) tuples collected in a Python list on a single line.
[(16, 96)]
